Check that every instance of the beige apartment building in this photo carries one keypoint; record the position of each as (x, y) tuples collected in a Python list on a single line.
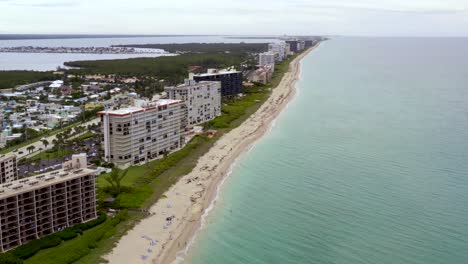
[(141, 133), (8, 169), (40, 205), (203, 99)]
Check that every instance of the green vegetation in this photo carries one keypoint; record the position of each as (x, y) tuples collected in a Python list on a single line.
[(114, 180), (29, 249), (26, 133), (204, 47), (140, 181), (173, 69), (73, 250), (61, 145), (10, 79), (104, 245), (85, 136), (82, 118), (51, 154), (235, 109)]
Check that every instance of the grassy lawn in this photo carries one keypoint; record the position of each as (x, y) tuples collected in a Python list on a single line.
[(86, 135), (235, 109), (141, 182), (75, 249), (51, 154)]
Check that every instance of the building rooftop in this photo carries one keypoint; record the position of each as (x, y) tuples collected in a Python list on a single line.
[(220, 72), (7, 156), (136, 109), (41, 180), (191, 83)]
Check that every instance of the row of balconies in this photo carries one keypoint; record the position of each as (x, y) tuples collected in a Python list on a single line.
[(10, 233), (9, 219), (8, 246)]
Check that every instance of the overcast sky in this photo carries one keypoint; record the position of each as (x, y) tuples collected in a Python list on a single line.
[(326, 17)]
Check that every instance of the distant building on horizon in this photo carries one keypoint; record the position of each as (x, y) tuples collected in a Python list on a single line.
[(203, 99), (37, 206), (146, 131), (231, 80)]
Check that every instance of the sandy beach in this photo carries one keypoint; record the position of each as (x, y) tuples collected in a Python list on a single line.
[(165, 234)]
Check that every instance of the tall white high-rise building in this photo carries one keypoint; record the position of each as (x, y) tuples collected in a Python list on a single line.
[(279, 48), (266, 58), (141, 133), (203, 99)]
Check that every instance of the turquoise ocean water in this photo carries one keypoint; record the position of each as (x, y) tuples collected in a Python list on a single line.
[(368, 164)]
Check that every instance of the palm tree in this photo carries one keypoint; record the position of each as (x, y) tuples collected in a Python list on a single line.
[(115, 178), (48, 158), (45, 143), (30, 148)]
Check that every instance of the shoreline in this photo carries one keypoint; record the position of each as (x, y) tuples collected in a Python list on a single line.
[(166, 235)]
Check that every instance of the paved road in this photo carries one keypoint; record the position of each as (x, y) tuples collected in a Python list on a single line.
[(38, 144)]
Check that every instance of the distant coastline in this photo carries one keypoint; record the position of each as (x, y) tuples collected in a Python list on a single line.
[(80, 36), (80, 50)]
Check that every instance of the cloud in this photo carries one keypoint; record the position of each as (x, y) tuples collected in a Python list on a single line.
[(43, 3), (343, 17), (377, 9)]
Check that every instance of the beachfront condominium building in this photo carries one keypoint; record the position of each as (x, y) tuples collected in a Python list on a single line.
[(300, 45), (8, 170), (292, 45), (231, 80), (267, 58), (278, 48), (288, 51), (261, 75), (309, 43), (203, 99), (43, 204), (143, 132)]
